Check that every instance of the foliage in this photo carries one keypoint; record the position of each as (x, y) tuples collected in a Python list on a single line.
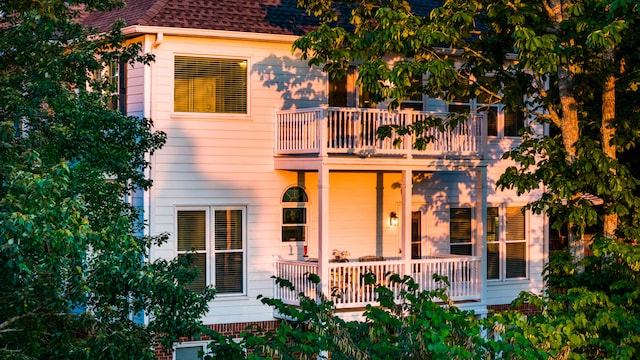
[(74, 280), (552, 59), (581, 316), (590, 315), (424, 325)]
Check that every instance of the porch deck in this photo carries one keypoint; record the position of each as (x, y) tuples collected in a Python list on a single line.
[(323, 131), (349, 290)]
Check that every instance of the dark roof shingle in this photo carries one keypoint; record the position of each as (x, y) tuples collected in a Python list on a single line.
[(265, 16)]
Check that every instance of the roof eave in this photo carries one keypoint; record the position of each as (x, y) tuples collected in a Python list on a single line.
[(134, 30)]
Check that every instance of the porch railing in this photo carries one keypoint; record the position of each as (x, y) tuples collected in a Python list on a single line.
[(330, 130), (347, 282)]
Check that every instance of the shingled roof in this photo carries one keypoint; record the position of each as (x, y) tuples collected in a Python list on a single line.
[(257, 16), (264, 16)]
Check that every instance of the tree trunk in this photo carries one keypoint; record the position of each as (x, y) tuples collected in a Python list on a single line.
[(607, 131)]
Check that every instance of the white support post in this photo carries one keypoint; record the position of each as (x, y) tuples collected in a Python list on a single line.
[(322, 124), (405, 219), (323, 229), (481, 221)]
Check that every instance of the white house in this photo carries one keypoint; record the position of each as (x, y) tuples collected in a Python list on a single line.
[(270, 168)]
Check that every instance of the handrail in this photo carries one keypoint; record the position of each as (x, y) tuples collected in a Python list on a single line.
[(332, 130)]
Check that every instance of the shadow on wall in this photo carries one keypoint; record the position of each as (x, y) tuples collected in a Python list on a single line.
[(299, 85)]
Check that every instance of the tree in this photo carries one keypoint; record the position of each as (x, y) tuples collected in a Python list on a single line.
[(74, 279), (570, 64)]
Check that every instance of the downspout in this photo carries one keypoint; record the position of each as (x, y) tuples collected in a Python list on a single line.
[(149, 112)]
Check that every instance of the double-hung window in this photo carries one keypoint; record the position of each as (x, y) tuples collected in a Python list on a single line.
[(210, 85), (506, 243), (460, 231), (217, 239)]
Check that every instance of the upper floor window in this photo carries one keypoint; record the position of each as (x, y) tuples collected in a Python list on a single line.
[(113, 82), (294, 214), (344, 91), (506, 243), (210, 85), (216, 237)]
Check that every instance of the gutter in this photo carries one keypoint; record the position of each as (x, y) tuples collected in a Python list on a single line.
[(134, 30)]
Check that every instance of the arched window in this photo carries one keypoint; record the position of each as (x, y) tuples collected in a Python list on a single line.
[(294, 214)]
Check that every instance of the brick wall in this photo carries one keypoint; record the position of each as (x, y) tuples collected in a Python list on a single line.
[(232, 330), (526, 309)]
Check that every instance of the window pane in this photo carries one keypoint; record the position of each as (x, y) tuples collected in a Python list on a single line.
[(295, 194), (516, 260), (462, 249), (515, 224), (293, 233), (191, 230), (416, 234), (210, 85), (294, 216), (188, 353), (492, 121), (455, 108), (513, 122), (200, 263), (228, 229), (493, 261), (460, 225), (493, 224), (229, 270)]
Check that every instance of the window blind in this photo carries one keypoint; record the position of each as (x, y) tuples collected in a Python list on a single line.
[(192, 237), (210, 85), (516, 251), (229, 252)]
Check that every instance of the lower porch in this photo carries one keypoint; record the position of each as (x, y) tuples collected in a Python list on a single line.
[(346, 280)]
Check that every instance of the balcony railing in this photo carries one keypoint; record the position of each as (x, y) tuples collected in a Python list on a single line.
[(329, 130), (348, 288)]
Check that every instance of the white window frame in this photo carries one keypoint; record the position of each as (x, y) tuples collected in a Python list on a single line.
[(190, 114), (210, 243), (296, 205), (502, 242), (188, 344)]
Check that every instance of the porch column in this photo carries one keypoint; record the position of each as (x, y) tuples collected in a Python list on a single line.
[(323, 229), (405, 217), (481, 234)]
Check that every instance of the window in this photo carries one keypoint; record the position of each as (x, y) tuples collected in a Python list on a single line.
[(344, 92), (460, 231), (193, 350), (500, 121), (218, 244), (209, 85), (506, 243), (294, 214), (113, 81), (415, 100)]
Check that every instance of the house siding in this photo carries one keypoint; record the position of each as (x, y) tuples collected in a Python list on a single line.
[(228, 160)]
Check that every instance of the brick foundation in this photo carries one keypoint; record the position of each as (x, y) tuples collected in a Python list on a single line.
[(230, 330), (526, 309)]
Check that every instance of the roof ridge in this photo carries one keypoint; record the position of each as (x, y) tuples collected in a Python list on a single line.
[(152, 11)]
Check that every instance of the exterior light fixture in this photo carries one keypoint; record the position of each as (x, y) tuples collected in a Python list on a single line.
[(393, 219)]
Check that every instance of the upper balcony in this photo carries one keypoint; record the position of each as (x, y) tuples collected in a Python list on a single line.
[(326, 131)]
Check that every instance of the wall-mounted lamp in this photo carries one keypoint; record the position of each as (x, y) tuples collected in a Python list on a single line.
[(393, 219)]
